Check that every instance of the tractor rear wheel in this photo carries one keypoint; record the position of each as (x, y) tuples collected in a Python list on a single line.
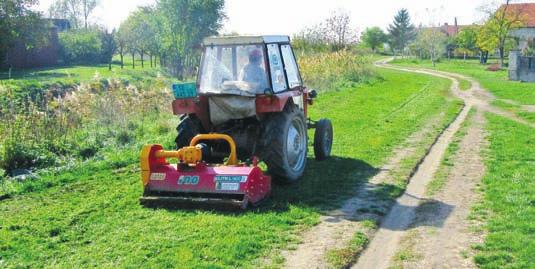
[(285, 144), (188, 128)]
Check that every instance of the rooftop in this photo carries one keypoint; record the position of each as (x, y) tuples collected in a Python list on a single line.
[(526, 12)]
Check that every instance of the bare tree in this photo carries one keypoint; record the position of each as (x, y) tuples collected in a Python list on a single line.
[(338, 30), (335, 32), (87, 7), (66, 9), (76, 11)]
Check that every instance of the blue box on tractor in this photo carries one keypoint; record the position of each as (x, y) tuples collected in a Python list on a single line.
[(185, 90)]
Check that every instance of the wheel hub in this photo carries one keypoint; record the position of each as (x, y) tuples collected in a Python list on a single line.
[(296, 145)]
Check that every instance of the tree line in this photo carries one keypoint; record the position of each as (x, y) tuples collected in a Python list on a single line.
[(168, 33), (432, 42)]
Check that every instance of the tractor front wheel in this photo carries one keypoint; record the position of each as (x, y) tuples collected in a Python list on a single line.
[(323, 139), (285, 144)]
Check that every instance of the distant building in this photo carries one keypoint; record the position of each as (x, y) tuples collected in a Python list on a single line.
[(452, 30), (522, 61), (48, 55), (525, 35)]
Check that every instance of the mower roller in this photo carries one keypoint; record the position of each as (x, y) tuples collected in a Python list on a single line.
[(248, 105)]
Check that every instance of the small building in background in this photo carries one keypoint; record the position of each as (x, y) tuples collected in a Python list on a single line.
[(525, 36), (522, 60), (47, 55), (451, 30)]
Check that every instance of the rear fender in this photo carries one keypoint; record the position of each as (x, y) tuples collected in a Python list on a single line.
[(197, 106), (276, 102)]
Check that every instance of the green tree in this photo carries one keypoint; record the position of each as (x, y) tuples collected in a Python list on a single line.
[(120, 41), (184, 25), (374, 37), (18, 23), (81, 46), (401, 31), (109, 46), (467, 40), (128, 28), (152, 42), (144, 31), (495, 32), (433, 41)]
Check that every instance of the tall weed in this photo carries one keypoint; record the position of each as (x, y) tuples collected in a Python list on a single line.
[(327, 71), (49, 129)]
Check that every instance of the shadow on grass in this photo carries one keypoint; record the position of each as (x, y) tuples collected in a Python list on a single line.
[(325, 184)]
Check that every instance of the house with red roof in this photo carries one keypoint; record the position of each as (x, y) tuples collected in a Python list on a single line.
[(522, 61), (524, 35), (452, 30)]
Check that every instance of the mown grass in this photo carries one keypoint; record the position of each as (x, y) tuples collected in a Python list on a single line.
[(516, 109), (509, 197), (89, 216), (496, 82), (81, 73)]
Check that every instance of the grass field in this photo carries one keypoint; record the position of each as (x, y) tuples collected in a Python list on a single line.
[(81, 73), (89, 216), (508, 208)]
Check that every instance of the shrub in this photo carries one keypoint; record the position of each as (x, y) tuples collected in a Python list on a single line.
[(494, 68), (18, 154), (80, 46), (124, 137), (74, 124)]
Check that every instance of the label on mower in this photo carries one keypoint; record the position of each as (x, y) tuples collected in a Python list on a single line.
[(188, 180), (235, 179), (157, 176), (227, 186)]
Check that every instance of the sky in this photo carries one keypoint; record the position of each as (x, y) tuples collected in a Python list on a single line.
[(290, 16)]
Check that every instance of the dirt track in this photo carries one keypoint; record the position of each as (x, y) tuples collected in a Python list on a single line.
[(436, 228), (336, 228), (384, 245)]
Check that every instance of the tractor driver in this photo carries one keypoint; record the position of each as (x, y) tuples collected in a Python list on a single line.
[(253, 71)]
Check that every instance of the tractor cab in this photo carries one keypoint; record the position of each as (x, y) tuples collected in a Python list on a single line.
[(248, 66)]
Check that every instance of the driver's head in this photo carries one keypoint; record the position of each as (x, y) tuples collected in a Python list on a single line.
[(255, 56)]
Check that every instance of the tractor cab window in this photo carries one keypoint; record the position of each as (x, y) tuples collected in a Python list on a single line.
[(291, 66), (233, 69), (278, 78)]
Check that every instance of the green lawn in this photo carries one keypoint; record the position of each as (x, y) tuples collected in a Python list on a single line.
[(509, 197), (496, 82), (81, 73), (89, 216)]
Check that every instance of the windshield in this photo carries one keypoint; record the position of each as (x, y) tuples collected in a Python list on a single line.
[(236, 70)]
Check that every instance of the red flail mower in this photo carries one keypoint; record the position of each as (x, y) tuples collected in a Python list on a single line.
[(248, 105)]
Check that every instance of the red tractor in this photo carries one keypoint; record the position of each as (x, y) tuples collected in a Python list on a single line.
[(249, 101)]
